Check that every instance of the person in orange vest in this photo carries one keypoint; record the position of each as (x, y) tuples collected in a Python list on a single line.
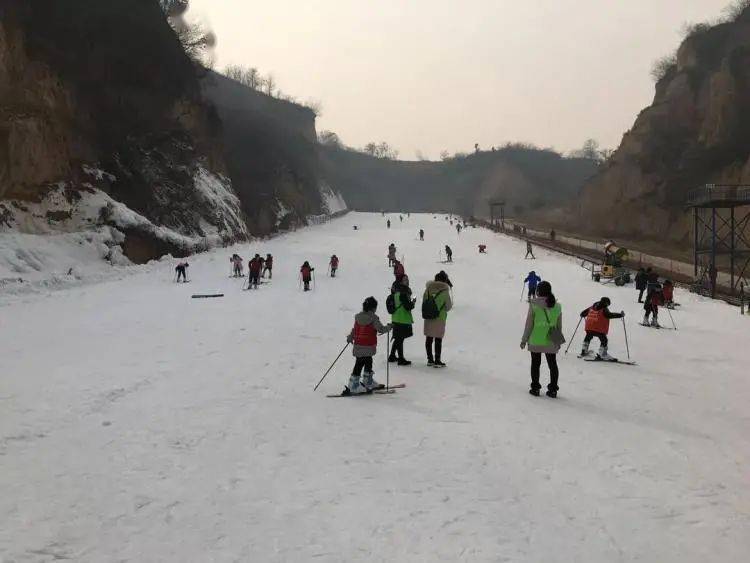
[(597, 326), (364, 337), (334, 264), (306, 272), (668, 291), (254, 268)]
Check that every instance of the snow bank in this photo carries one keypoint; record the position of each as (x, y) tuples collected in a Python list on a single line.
[(333, 201)]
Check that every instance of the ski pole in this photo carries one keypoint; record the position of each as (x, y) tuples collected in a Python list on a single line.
[(313, 273), (671, 317), (625, 329), (387, 363), (330, 368), (299, 288), (574, 335), (523, 288)]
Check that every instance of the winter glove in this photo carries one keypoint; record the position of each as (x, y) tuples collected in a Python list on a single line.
[(349, 339), (623, 314), (523, 345)]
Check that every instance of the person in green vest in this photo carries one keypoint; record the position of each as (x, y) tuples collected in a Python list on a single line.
[(401, 319), (544, 316), (436, 302)]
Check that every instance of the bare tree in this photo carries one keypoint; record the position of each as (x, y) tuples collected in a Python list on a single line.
[(315, 106), (663, 67), (735, 9), (444, 155), (269, 84), (329, 139)]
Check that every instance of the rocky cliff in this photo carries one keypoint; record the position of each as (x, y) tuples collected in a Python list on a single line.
[(695, 132)]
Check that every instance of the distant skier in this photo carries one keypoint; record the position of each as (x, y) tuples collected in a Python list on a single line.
[(181, 270), (544, 314), (334, 265), (401, 218), (391, 254), (668, 290), (529, 250), (398, 270), (268, 267), (552, 235), (597, 326), (364, 336), (237, 266), (458, 228), (388, 223), (400, 305), (448, 254), (533, 281), (641, 280), (654, 299), (421, 235), (482, 249), (436, 302), (306, 272), (254, 268)]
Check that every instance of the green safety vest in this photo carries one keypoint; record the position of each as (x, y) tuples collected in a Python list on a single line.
[(540, 332), (401, 315)]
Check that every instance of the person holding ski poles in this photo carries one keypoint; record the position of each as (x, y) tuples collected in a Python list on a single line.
[(236, 261), (268, 267), (543, 335), (254, 268), (654, 299), (364, 336), (181, 270), (421, 235), (436, 302), (448, 254), (400, 305), (334, 265), (533, 280), (306, 271), (597, 326), (529, 250)]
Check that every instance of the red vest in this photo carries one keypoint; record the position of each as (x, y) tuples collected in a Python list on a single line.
[(398, 269), (668, 292), (334, 262), (254, 266), (365, 335), (306, 271), (597, 322)]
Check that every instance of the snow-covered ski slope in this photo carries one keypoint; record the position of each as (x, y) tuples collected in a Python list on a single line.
[(137, 424)]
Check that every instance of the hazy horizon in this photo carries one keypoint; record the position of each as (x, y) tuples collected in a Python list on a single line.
[(438, 75)]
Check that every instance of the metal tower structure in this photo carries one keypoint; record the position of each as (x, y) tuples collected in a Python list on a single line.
[(497, 213), (721, 234)]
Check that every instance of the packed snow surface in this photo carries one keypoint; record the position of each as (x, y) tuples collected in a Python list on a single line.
[(138, 424)]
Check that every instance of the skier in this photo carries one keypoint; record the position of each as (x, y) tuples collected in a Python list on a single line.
[(401, 218), (529, 250), (306, 271), (334, 265), (388, 223), (641, 279), (268, 267), (436, 302), (421, 235), (398, 270), (448, 254), (458, 228), (236, 261), (544, 316), (254, 268), (597, 325), (400, 305), (364, 336), (654, 298), (668, 290), (181, 270), (533, 280), (482, 249), (391, 254)]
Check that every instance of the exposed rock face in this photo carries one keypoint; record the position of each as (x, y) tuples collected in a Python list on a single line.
[(695, 132)]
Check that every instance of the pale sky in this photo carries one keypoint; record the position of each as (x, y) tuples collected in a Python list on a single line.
[(435, 75)]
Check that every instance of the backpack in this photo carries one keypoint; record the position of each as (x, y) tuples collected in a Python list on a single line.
[(390, 304), (430, 309)]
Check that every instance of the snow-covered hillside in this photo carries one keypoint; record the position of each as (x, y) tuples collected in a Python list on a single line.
[(139, 424)]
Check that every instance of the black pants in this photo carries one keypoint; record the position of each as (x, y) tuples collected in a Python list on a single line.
[(591, 335), (181, 274), (529, 253), (536, 363), (333, 272), (360, 363), (532, 292), (270, 272), (307, 285), (640, 295), (438, 348), (397, 348), (254, 279)]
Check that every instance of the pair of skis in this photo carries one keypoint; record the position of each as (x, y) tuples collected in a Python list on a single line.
[(596, 358), (378, 391)]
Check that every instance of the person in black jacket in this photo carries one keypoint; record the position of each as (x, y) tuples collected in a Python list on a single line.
[(597, 326), (641, 279)]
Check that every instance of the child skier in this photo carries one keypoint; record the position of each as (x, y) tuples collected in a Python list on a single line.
[(668, 290), (334, 265), (597, 326), (254, 268), (391, 254), (398, 270), (181, 270), (388, 223), (364, 336), (306, 271), (268, 267), (448, 254), (421, 235), (654, 298), (482, 249), (533, 280), (236, 261), (529, 250)]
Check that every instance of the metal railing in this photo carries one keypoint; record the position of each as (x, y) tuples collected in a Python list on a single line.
[(739, 193)]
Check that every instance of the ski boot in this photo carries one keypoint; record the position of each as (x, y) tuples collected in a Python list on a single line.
[(551, 394), (655, 323), (604, 355), (403, 362), (354, 387), (392, 359), (645, 320), (369, 383), (534, 392), (585, 349)]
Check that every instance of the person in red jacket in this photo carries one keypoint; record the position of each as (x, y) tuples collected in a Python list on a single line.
[(306, 271), (254, 267), (334, 265), (668, 291), (597, 326), (398, 270), (654, 299), (364, 336), (268, 267)]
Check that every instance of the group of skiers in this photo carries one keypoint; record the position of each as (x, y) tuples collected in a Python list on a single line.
[(657, 295), (257, 268)]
